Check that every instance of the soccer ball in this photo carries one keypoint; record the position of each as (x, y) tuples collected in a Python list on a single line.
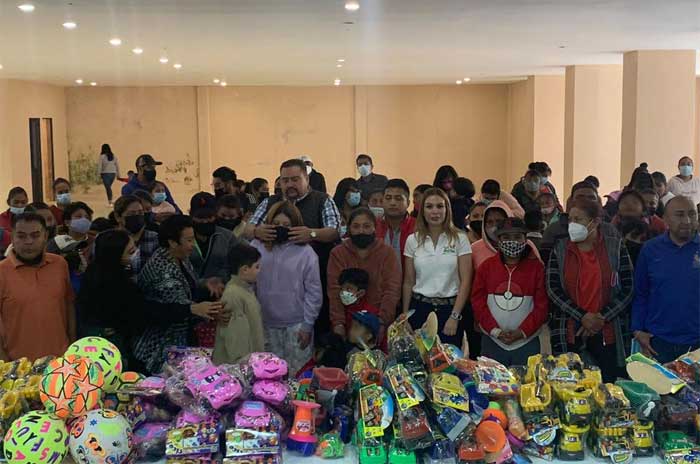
[(105, 355), (71, 386)]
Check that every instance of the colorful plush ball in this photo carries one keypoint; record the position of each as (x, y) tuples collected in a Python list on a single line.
[(36, 438), (71, 386), (101, 436), (103, 353)]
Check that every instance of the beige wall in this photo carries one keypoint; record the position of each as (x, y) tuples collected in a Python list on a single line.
[(658, 109), (161, 121), (19, 101), (548, 128), (521, 130), (593, 125)]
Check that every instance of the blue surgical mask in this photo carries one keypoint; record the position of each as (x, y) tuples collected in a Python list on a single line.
[(80, 225), (544, 180), (354, 199), (686, 170), (159, 197), (16, 210), (63, 198)]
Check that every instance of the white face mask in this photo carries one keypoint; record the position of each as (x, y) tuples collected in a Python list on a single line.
[(578, 232), (364, 170), (347, 298), (378, 211), (309, 169), (544, 180)]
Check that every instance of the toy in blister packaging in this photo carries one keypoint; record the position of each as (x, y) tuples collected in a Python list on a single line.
[(613, 409), (249, 442), (149, 440), (516, 426), (687, 368), (217, 387), (415, 429), (330, 446), (268, 366), (571, 442), (271, 391), (643, 438), (449, 391), (493, 378), (477, 401), (372, 411), (302, 437), (202, 438), (441, 452), (574, 403), (406, 390), (252, 414), (400, 327), (366, 368), (619, 449), (403, 350), (535, 397), (451, 422)]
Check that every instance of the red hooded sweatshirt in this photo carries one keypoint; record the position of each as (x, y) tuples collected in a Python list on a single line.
[(511, 298)]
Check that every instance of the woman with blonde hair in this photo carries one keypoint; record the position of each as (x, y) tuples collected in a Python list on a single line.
[(288, 288), (438, 268)]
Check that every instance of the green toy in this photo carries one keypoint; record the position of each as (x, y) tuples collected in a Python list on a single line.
[(330, 446), (399, 455)]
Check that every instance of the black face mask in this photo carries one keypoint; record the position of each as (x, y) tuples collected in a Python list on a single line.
[(476, 227), (218, 193), (362, 241), (229, 224), (282, 234), (134, 224), (205, 229), (149, 175)]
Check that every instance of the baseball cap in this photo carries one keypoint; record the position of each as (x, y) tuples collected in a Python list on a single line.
[(306, 159), (203, 204), (369, 320), (511, 225), (147, 160)]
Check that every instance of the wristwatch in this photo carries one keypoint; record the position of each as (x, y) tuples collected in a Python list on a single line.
[(313, 234), (456, 316)]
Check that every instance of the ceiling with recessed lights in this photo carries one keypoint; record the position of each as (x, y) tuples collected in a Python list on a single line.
[(300, 42)]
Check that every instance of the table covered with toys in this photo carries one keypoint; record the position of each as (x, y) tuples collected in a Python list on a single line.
[(424, 401)]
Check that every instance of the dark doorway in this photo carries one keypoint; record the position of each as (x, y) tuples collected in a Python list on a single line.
[(41, 151)]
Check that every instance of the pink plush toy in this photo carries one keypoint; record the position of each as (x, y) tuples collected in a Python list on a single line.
[(267, 366), (270, 391)]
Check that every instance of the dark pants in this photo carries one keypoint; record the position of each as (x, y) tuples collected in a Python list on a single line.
[(667, 352), (604, 356), (517, 357), (108, 180), (443, 311)]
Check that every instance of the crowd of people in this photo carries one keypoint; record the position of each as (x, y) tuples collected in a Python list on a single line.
[(302, 274)]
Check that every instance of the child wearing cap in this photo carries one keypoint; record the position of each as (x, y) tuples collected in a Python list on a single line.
[(510, 299), (364, 331), (353, 289)]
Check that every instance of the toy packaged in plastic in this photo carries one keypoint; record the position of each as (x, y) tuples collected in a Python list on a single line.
[(174, 356), (256, 415), (494, 378), (267, 366), (185, 418), (251, 442), (211, 383), (643, 399), (406, 390), (330, 446), (516, 426), (177, 392), (202, 438), (415, 429), (468, 449), (447, 390), (149, 441), (451, 422), (441, 452), (366, 368), (372, 411), (273, 392), (677, 448), (676, 414), (260, 459)]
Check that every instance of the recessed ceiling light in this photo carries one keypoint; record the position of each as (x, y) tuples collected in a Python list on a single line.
[(137, 50), (79, 81), (216, 81), (163, 59), (336, 82), (352, 5), (341, 60), (70, 25), (223, 84), (93, 84), (26, 7), (466, 79), (0, 66), (115, 41), (177, 66), (458, 82), (339, 65)]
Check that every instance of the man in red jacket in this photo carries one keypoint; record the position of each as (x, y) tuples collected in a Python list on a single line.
[(510, 299), (396, 225)]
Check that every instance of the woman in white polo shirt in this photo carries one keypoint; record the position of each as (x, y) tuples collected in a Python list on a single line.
[(438, 268)]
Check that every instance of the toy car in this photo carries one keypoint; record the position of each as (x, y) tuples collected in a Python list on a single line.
[(571, 446), (643, 438)]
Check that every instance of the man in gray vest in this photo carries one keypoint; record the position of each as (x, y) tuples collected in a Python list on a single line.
[(321, 216)]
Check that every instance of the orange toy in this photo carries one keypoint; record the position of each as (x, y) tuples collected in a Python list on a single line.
[(302, 437), (490, 436)]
